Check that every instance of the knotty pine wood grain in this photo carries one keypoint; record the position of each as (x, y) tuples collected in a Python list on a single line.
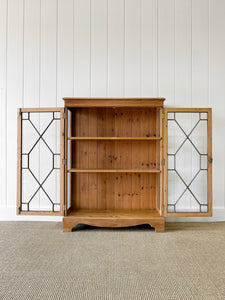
[(93, 159), (95, 188)]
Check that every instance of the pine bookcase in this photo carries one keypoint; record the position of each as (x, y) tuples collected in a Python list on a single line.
[(114, 162)]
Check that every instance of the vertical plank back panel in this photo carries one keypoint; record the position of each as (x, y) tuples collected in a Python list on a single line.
[(126, 152), (119, 190), (83, 158), (136, 159), (75, 160), (101, 130), (110, 158), (92, 158), (118, 160), (144, 156)]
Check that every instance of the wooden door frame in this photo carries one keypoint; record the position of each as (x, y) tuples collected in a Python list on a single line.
[(165, 174), (19, 151), (66, 208)]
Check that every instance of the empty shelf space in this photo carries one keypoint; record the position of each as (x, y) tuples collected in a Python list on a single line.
[(105, 138), (75, 170), (128, 214)]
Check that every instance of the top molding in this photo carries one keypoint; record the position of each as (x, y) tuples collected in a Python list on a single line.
[(114, 102)]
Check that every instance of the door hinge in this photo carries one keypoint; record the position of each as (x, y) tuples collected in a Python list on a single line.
[(163, 208), (163, 162), (64, 207), (210, 160), (19, 112), (18, 210), (64, 116), (64, 161), (163, 115)]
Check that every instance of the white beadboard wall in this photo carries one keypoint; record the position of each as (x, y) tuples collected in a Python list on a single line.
[(55, 48)]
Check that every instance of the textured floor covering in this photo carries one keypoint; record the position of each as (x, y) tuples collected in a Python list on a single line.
[(39, 261)]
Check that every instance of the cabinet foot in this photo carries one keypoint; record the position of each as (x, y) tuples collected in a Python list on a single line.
[(159, 225)]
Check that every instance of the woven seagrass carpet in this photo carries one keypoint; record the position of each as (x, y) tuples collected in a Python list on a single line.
[(39, 261)]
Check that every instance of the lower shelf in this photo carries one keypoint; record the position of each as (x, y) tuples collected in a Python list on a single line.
[(114, 218)]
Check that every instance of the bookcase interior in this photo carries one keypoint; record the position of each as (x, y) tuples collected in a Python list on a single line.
[(114, 159)]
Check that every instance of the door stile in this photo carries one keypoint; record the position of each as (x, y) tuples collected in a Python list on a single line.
[(210, 161), (62, 154), (19, 146), (160, 161), (165, 163)]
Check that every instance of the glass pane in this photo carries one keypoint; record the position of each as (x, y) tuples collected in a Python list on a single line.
[(187, 162), (40, 161)]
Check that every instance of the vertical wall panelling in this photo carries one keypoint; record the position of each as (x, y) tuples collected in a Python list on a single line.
[(200, 53), (54, 48), (3, 55), (115, 47), (148, 76), (31, 53), (166, 50), (217, 88), (14, 90), (65, 53), (132, 48), (99, 48), (49, 16), (82, 51), (182, 53)]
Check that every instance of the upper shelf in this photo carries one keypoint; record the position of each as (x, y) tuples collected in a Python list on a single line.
[(106, 138), (114, 102), (78, 170)]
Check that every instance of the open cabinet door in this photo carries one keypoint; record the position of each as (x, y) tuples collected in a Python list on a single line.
[(40, 178), (187, 152)]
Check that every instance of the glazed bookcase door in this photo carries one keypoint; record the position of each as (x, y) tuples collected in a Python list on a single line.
[(188, 162), (40, 183)]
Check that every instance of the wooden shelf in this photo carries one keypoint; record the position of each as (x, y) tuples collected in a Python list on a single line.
[(119, 213), (113, 170), (106, 138)]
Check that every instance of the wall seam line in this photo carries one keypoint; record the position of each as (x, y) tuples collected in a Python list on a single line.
[(23, 54), (124, 46), (191, 56), (140, 50), (56, 56), (157, 37), (73, 48), (6, 94), (107, 65), (90, 92)]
